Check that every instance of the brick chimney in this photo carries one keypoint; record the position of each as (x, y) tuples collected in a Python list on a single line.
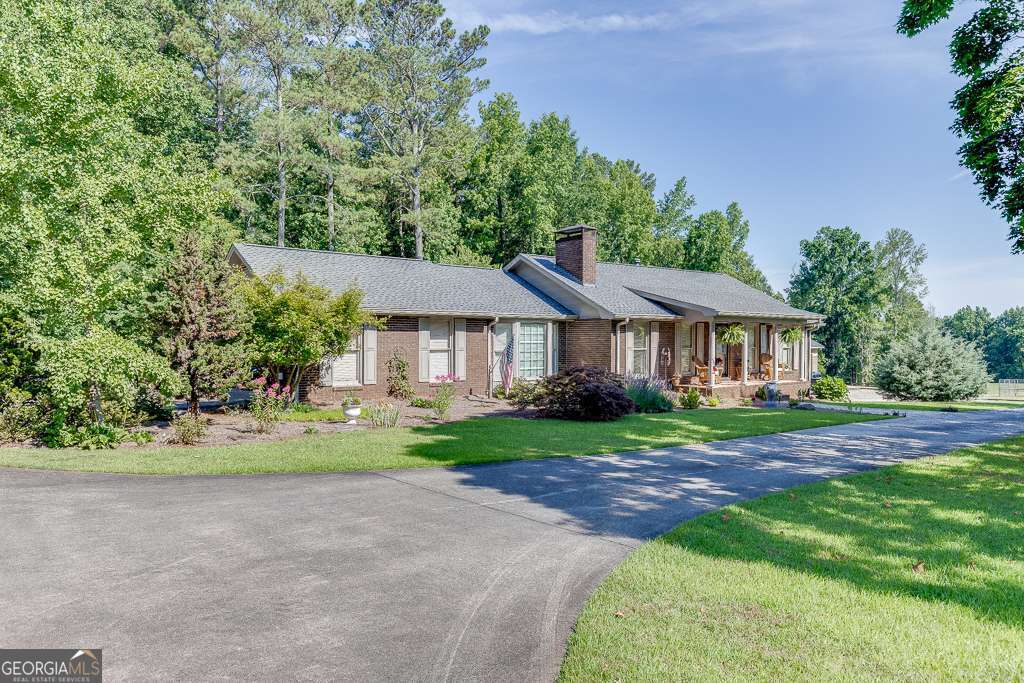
[(576, 252)]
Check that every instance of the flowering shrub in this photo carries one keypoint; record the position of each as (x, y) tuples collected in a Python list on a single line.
[(268, 404), (649, 393), (444, 397)]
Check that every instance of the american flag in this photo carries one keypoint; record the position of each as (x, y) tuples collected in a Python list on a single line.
[(506, 363)]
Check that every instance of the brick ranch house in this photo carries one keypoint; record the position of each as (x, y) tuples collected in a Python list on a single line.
[(560, 311)]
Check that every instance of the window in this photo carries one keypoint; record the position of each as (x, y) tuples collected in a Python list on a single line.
[(641, 364), (440, 347), (532, 349), (786, 357), (343, 370)]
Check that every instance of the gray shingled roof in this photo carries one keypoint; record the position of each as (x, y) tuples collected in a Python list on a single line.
[(399, 285), (621, 289)]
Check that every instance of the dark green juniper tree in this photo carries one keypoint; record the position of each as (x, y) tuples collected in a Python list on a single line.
[(988, 52)]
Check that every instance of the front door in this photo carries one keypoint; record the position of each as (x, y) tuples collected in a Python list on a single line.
[(502, 335)]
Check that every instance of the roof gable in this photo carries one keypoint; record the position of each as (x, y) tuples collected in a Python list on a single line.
[(643, 291)]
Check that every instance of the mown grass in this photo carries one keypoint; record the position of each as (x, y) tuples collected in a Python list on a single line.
[(478, 440), (933, 405), (913, 573)]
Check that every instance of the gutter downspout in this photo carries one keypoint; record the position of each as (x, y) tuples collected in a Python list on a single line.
[(618, 344)]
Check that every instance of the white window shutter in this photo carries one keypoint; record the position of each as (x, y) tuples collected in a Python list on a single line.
[(460, 348), (326, 374), (627, 331), (653, 337), (551, 339), (680, 362), (369, 354), (424, 355)]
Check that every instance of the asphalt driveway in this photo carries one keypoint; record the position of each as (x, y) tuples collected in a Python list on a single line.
[(473, 573)]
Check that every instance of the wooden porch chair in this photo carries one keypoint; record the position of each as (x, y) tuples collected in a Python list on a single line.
[(766, 367), (701, 369)]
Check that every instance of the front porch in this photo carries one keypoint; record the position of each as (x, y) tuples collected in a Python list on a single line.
[(734, 357), (734, 390)]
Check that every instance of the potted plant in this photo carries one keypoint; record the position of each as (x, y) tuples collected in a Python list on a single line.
[(791, 335), (352, 407), (731, 335)]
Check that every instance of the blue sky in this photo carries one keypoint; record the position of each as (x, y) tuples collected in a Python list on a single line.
[(807, 112)]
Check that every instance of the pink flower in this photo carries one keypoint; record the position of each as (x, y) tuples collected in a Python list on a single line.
[(275, 386), (259, 381), (287, 390)]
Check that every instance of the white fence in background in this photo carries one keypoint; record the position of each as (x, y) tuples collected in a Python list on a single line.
[(1009, 388)]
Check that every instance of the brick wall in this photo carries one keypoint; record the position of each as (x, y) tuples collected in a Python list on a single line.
[(577, 253), (563, 348), (589, 342), (401, 335), (666, 340)]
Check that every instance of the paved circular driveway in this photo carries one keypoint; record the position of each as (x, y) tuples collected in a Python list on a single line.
[(473, 573)]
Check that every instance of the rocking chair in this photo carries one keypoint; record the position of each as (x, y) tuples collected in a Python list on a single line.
[(766, 367), (701, 369)]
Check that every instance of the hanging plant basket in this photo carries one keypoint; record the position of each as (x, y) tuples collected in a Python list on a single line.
[(791, 335), (731, 335)]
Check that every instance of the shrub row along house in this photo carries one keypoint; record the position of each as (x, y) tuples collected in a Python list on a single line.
[(559, 311)]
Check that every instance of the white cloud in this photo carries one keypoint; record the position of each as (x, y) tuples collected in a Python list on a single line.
[(553, 21), (807, 32)]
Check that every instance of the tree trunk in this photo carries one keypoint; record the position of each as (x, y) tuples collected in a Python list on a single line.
[(281, 194), (416, 211), (218, 90), (97, 404), (193, 401), (501, 228), (281, 183), (330, 209)]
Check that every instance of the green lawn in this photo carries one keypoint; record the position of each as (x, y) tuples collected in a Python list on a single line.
[(927, 405), (911, 573), (479, 440)]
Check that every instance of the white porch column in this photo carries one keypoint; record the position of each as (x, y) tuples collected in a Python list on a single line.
[(775, 353), (807, 356), (711, 352), (746, 355), (803, 356)]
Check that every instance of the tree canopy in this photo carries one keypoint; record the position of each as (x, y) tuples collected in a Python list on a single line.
[(987, 51), (838, 278)]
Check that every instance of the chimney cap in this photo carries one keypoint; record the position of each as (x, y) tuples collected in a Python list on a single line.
[(572, 229)]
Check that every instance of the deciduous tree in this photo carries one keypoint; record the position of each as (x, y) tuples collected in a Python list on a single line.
[(1005, 346), (904, 285), (295, 324), (987, 51), (838, 278)]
